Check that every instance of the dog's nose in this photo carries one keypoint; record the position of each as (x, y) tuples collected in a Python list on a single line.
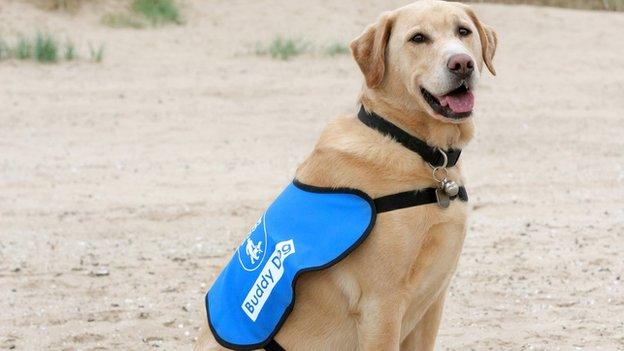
[(461, 65)]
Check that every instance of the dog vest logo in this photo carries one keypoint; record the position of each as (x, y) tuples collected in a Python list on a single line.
[(268, 278), (252, 248)]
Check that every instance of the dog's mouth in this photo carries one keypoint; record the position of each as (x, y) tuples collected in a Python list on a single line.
[(456, 104)]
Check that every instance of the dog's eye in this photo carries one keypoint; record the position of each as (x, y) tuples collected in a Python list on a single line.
[(463, 31), (418, 38)]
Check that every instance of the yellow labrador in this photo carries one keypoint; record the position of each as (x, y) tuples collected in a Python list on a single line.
[(421, 64)]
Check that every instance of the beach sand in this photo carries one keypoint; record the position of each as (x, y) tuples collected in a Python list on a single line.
[(125, 185)]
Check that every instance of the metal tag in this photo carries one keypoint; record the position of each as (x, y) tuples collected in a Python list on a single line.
[(443, 199)]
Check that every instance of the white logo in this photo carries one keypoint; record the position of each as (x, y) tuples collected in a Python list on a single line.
[(269, 276), (253, 250), (250, 252)]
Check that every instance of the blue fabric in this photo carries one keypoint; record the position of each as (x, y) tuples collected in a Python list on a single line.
[(305, 228)]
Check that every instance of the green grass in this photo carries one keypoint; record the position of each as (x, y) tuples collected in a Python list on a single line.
[(286, 48), (70, 51), (122, 20), (5, 50), (158, 11), (23, 49), (144, 13), (283, 48), (337, 49), (46, 48), (97, 54)]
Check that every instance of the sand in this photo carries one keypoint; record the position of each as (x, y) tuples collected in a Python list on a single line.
[(125, 185)]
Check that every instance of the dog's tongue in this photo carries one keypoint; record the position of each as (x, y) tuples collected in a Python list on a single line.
[(458, 103)]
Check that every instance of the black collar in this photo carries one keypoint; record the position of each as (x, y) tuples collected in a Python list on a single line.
[(430, 154)]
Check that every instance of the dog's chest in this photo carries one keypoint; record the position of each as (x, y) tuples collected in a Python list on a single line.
[(434, 255), (435, 248)]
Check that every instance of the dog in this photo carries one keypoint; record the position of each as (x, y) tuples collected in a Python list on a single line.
[(421, 64)]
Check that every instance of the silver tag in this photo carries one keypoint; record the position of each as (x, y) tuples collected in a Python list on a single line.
[(443, 199)]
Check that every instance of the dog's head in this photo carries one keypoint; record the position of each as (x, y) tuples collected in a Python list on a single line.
[(428, 54)]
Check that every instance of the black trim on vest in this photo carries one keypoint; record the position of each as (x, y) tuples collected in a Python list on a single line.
[(428, 153), (412, 198), (273, 346)]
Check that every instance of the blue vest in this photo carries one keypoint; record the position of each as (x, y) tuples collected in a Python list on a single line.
[(305, 228)]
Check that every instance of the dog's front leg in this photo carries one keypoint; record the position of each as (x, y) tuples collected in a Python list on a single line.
[(379, 324), (423, 336)]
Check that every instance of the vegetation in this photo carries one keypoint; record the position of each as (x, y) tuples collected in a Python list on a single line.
[(158, 11), (61, 5), (23, 49), (286, 48), (337, 49), (611, 5), (614, 5), (282, 48), (5, 51), (44, 48), (122, 20), (97, 54), (144, 13), (70, 51)]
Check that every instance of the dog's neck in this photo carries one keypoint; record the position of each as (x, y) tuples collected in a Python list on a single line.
[(415, 121)]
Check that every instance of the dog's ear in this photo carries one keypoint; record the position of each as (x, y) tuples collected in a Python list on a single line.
[(488, 37), (369, 49)]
